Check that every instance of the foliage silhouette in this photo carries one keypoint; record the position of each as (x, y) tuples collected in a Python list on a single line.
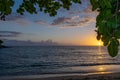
[(1, 43)]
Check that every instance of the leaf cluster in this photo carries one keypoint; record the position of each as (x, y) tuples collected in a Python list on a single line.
[(33, 6), (5, 8), (108, 23)]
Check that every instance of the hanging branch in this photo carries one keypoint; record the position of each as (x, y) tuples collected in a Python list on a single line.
[(2, 16)]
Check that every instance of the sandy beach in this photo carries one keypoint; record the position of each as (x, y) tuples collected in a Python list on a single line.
[(108, 76)]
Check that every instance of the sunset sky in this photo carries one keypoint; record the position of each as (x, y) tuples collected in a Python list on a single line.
[(73, 27)]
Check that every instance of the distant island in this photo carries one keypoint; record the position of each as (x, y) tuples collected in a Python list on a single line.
[(48, 42)]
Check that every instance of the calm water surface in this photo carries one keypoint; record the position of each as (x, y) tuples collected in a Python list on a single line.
[(56, 60)]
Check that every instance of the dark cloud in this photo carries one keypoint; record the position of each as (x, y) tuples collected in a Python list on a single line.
[(40, 22), (74, 21), (20, 19), (74, 12), (86, 10), (9, 34), (60, 20), (13, 17)]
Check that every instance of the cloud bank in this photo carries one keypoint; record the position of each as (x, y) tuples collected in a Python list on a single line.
[(29, 43), (19, 19), (41, 22), (74, 21), (10, 34)]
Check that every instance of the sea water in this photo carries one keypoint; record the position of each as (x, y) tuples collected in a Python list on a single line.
[(42, 60)]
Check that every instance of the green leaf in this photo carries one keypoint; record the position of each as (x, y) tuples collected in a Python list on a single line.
[(101, 4), (8, 11), (2, 8), (103, 29), (98, 37), (107, 3), (94, 4), (11, 2), (105, 40), (113, 47), (76, 1), (117, 34)]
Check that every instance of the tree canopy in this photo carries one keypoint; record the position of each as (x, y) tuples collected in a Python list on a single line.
[(107, 22)]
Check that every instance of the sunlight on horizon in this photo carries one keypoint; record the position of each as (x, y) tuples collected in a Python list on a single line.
[(100, 43)]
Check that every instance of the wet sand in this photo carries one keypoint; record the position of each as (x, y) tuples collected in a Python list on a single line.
[(104, 76)]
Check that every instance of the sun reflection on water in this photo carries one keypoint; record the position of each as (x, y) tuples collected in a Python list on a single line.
[(99, 50), (100, 54), (101, 68)]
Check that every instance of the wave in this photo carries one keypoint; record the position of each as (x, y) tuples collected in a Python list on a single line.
[(45, 66)]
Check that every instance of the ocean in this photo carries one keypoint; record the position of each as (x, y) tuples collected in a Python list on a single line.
[(44, 60)]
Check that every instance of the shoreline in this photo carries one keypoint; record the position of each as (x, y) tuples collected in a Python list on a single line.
[(94, 76)]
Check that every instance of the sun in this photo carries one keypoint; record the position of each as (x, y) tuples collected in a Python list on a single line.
[(99, 43)]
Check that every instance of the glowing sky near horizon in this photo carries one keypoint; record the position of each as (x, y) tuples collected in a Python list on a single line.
[(73, 27)]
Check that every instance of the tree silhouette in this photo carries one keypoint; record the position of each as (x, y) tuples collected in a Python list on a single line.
[(1, 43), (107, 22)]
